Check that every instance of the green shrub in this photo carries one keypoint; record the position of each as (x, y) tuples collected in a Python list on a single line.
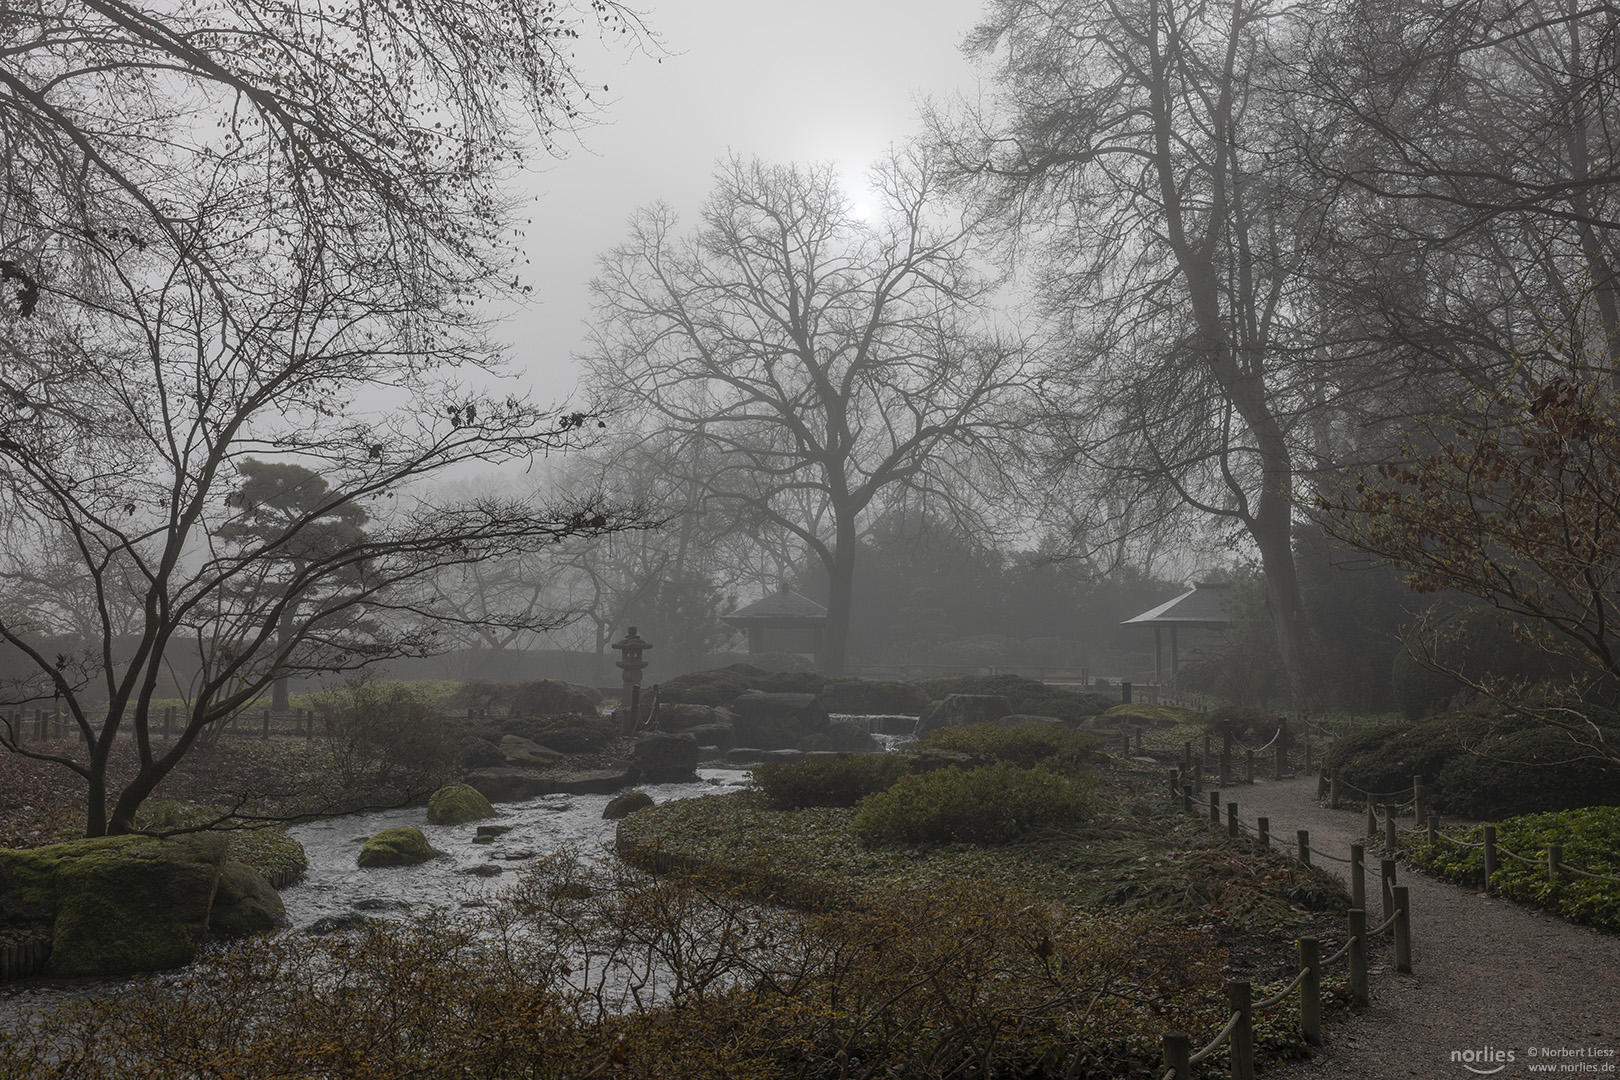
[(1027, 744), (720, 687), (833, 782), (992, 805), (1028, 696), (553, 697), (1476, 766), (1591, 841)]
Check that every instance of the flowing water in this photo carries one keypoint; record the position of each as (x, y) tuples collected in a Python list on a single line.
[(335, 888)]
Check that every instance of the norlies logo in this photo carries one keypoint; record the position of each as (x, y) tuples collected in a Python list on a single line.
[(1484, 1061)]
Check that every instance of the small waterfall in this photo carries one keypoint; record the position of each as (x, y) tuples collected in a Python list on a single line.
[(878, 724)]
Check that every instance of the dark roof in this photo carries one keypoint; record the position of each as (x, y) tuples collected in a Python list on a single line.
[(1201, 606), (778, 606)]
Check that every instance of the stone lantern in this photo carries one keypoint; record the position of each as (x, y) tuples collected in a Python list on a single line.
[(631, 646)]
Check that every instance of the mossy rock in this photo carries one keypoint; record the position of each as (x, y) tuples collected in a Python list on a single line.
[(457, 804), (873, 697), (622, 806), (116, 905), (553, 697), (396, 847), (703, 688), (245, 903), (568, 734)]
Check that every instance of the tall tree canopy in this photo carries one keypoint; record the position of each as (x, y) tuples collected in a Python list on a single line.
[(822, 361)]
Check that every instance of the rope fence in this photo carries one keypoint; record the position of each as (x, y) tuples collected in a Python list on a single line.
[(1238, 1032)]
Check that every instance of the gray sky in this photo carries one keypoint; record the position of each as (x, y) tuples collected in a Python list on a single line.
[(830, 80)]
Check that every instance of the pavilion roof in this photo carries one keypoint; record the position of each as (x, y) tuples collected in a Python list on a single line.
[(1202, 606), (783, 607)]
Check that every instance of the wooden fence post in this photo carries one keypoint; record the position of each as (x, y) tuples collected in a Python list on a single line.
[(1333, 789), (1490, 858), (1215, 806), (1434, 829), (1198, 776), (1403, 929), (1231, 819), (1372, 818), (1262, 828), (1321, 786), (1310, 990), (1390, 839), (1186, 756), (1239, 994), (1358, 956), (1303, 839), (1358, 876), (1187, 799), (1555, 855), (1386, 887), (1177, 1052)]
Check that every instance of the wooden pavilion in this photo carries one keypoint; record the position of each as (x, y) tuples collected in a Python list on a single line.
[(1203, 607)]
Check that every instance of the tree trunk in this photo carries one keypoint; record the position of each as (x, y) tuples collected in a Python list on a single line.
[(840, 597)]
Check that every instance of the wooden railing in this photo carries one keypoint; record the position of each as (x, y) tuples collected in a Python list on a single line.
[(1238, 1033)]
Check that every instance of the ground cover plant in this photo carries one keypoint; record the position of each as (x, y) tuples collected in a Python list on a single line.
[(994, 804), (590, 969), (1590, 839), (1477, 766), (1028, 744)]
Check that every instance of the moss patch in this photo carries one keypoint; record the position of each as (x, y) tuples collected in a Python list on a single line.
[(396, 847), (457, 804)]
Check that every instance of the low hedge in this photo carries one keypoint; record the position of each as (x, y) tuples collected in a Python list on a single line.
[(1477, 766), (841, 781), (1028, 744), (1591, 841), (1028, 696), (993, 805)]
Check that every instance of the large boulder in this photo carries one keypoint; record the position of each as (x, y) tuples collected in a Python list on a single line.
[(520, 785), (457, 804), (716, 735), (776, 721), (622, 806), (569, 734), (665, 758), (864, 697), (553, 697), (396, 847), (114, 905), (957, 709), (245, 903), (527, 754), (679, 717), (841, 737)]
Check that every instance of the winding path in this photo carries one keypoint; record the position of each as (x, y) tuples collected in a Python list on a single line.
[(1487, 973)]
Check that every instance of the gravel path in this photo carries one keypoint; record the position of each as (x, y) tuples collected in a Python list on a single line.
[(1486, 973)]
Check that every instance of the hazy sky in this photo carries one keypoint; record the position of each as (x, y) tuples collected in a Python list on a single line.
[(829, 80)]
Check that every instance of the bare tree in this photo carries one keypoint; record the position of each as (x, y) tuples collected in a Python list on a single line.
[(1137, 152), (822, 360), (254, 230)]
